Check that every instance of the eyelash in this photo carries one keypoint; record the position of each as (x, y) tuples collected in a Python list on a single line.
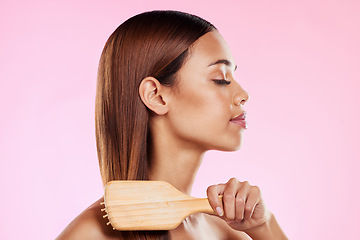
[(221, 81)]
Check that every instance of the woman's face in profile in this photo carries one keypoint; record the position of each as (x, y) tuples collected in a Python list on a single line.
[(207, 98)]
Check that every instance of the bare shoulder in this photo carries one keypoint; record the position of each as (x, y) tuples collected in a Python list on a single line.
[(226, 231), (89, 225)]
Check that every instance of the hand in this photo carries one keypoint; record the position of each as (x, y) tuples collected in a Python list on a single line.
[(242, 207)]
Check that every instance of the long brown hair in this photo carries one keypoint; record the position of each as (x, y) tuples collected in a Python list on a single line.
[(149, 44)]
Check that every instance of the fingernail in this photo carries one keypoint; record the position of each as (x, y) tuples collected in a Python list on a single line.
[(219, 211)]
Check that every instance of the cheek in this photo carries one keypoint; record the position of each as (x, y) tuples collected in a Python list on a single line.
[(203, 103), (203, 113)]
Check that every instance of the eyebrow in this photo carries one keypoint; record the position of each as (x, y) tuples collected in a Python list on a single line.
[(223, 61)]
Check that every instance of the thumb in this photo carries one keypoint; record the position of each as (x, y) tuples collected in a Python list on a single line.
[(213, 193)]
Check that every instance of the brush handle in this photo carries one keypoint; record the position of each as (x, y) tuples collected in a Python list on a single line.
[(201, 205)]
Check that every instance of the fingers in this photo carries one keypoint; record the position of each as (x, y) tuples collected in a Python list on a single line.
[(252, 200), (229, 199), (239, 199)]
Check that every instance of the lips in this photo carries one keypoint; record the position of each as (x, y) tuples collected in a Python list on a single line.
[(240, 120)]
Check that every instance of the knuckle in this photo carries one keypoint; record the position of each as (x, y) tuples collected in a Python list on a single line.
[(248, 208), (212, 189), (239, 201), (228, 197), (233, 180), (256, 189)]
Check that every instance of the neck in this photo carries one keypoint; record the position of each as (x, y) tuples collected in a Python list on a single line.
[(174, 162), (177, 169)]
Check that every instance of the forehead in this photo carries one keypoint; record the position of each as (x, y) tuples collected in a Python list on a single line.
[(208, 49)]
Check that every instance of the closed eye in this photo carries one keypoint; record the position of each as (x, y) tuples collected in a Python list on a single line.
[(221, 81)]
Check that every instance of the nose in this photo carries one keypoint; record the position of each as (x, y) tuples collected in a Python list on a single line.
[(240, 97)]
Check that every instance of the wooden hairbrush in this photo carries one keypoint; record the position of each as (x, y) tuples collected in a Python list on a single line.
[(149, 205)]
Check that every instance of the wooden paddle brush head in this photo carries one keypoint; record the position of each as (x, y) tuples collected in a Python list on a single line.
[(149, 205)]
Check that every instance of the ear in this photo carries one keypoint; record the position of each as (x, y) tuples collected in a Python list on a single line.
[(151, 93)]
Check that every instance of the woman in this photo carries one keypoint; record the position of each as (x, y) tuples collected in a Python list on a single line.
[(166, 94)]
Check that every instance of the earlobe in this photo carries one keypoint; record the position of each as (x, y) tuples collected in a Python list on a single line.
[(150, 91)]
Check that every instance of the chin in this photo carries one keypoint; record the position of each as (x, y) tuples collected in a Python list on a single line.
[(229, 148)]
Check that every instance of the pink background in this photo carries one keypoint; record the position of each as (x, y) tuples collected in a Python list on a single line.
[(299, 60)]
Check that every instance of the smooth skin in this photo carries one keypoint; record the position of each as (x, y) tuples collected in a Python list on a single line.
[(188, 119)]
